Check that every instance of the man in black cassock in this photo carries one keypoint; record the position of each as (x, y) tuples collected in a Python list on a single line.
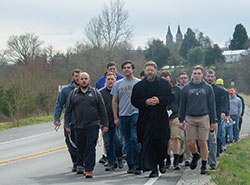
[(151, 96)]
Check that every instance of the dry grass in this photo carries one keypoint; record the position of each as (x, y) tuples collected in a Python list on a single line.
[(246, 99)]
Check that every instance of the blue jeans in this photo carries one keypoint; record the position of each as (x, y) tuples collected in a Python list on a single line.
[(128, 130), (236, 127), (113, 145), (220, 136)]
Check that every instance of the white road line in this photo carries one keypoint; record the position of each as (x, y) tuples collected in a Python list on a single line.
[(151, 181), (30, 137)]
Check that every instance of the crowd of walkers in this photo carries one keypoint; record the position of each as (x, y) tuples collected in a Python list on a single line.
[(149, 122)]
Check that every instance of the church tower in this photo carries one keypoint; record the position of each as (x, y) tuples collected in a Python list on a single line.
[(179, 38), (169, 38)]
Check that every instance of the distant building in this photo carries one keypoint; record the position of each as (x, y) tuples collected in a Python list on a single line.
[(178, 39), (235, 55)]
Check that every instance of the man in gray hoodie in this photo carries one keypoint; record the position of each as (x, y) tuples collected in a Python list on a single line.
[(197, 111)]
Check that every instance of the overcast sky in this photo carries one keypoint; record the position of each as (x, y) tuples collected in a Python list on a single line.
[(61, 22)]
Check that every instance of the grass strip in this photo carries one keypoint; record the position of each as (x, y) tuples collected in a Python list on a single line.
[(26, 121), (234, 165)]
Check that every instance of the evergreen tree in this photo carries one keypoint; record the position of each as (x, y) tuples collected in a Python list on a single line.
[(195, 56), (213, 55), (189, 42), (158, 52), (240, 38)]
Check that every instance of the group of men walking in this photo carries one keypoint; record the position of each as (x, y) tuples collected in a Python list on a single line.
[(144, 119)]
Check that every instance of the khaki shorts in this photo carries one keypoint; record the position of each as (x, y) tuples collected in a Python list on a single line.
[(197, 128), (176, 132)]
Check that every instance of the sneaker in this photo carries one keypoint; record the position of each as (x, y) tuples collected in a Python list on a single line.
[(168, 164), (137, 171), (203, 170), (103, 159), (153, 174), (131, 169), (162, 167), (106, 164), (181, 158), (80, 170), (196, 158), (187, 163), (110, 168), (212, 167), (120, 164), (74, 168), (177, 167)]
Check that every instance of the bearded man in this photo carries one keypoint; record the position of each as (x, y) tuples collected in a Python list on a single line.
[(151, 96)]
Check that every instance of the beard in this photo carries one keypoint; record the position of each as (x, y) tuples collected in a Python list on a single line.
[(75, 82), (84, 86), (151, 77)]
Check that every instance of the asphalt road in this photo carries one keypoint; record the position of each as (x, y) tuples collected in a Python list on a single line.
[(37, 154)]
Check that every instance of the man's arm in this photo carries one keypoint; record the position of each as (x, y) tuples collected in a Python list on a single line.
[(114, 109), (182, 108), (102, 112), (68, 111), (61, 101)]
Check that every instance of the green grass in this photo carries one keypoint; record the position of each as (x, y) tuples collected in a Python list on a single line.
[(27, 121), (234, 165)]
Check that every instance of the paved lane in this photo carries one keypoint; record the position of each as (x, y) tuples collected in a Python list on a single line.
[(37, 155)]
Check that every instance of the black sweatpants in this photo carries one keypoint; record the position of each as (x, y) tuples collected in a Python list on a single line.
[(86, 140)]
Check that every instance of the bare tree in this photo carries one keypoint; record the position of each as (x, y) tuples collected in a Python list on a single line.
[(23, 48), (110, 28)]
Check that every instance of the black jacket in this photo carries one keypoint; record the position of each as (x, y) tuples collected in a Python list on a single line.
[(107, 97), (174, 107), (221, 100), (89, 109), (197, 100)]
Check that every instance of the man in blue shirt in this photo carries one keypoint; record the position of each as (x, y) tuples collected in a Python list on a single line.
[(60, 103), (111, 67)]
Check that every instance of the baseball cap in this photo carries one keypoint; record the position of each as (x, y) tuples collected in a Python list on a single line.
[(219, 81)]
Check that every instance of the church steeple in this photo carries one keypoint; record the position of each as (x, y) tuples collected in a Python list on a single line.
[(169, 32), (178, 31), (179, 38), (169, 38)]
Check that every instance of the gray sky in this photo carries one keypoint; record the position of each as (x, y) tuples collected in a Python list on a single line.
[(61, 22)]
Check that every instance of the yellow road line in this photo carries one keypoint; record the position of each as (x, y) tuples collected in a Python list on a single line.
[(35, 155), (31, 156)]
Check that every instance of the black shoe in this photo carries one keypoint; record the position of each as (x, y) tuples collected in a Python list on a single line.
[(187, 163), (196, 158), (177, 167), (153, 174), (212, 167), (131, 169), (137, 171), (106, 164), (120, 164), (168, 164), (110, 168), (181, 158), (103, 159), (162, 168), (80, 170), (203, 170), (74, 168)]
